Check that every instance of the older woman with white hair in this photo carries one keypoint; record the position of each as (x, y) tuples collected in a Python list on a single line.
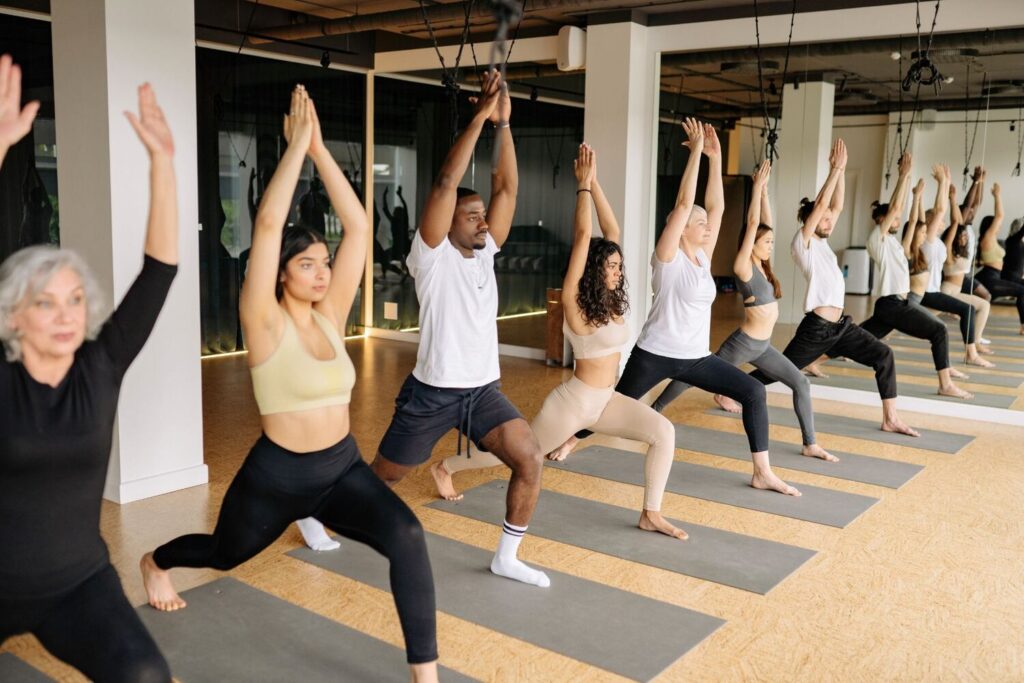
[(59, 385)]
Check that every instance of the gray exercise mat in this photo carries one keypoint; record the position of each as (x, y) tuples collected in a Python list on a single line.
[(981, 398), (231, 631), (995, 380), (14, 670), (828, 423), (627, 634), (818, 505), (863, 468), (923, 355), (736, 560)]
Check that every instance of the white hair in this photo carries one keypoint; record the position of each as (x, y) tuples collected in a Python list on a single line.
[(25, 273)]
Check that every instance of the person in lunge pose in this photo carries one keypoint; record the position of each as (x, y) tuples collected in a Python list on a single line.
[(991, 256), (455, 384), (293, 307), (957, 268), (825, 329), (594, 300), (751, 343)]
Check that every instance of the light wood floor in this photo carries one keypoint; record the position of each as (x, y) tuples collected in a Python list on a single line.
[(928, 585)]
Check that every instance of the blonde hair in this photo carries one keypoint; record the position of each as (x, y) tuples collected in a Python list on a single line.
[(26, 272)]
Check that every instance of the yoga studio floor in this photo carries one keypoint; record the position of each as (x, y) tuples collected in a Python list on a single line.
[(916, 576)]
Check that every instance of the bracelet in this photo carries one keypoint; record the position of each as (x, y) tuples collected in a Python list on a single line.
[(502, 124), (583, 189)]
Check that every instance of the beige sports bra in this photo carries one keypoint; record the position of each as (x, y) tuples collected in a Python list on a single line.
[(960, 266), (603, 341)]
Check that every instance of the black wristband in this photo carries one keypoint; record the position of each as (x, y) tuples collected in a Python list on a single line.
[(583, 189)]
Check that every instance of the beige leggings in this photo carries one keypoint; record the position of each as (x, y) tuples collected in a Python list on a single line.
[(575, 405), (980, 305)]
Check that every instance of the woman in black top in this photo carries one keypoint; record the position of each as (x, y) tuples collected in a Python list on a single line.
[(59, 385)]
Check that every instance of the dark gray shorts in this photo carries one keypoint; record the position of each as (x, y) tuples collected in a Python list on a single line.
[(424, 414)]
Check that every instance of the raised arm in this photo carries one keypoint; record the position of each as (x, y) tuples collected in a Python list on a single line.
[(992, 235), (383, 199), (605, 215), (714, 195), (899, 193), (915, 212), (15, 120), (436, 218), (585, 170), (742, 266), (941, 173), (504, 178), (956, 218), (823, 202), (668, 243), (350, 259), (839, 196), (766, 207), (972, 198), (257, 302)]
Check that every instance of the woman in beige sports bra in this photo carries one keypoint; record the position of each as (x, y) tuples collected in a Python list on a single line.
[(991, 254), (958, 265), (293, 308), (594, 301)]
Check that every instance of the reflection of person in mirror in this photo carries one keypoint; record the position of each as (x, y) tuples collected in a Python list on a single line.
[(400, 242)]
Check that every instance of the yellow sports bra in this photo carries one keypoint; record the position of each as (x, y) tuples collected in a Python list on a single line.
[(603, 341), (992, 255), (292, 380)]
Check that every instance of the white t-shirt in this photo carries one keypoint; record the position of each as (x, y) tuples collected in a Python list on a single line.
[(825, 283), (458, 314), (935, 252), (886, 251), (679, 325), (972, 242)]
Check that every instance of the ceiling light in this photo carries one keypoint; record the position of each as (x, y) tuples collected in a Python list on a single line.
[(894, 56)]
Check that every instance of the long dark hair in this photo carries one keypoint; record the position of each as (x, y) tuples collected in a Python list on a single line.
[(597, 303), (804, 212), (986, 224), (959, 250), (918, 261), (766, 264), (295, 240)]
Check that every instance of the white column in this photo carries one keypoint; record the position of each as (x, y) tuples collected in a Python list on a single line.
[(103, 50), (805, 137), (619, 121)]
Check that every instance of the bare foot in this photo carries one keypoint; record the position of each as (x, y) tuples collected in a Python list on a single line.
[(979, 361), (443, 481), (1022, 330), (727, 404), (158, 585), (956, 374), (651, 520), (984, 350), (897, 426), (769, 482), (955, 391), (563, 451), (814, 370), (816, 451)]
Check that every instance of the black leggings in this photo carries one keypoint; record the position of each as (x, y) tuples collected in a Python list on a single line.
[(997, 287), (895, 313), (816, 336), (950, 304), (275, 487), (710, 373), (93, 628)]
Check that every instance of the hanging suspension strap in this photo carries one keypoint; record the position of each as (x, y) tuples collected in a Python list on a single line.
[(450, 76), (772, 128)]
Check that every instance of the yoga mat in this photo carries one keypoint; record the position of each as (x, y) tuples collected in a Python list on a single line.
[(930, 440), (994, 380), (863, 468), (14, 670), (627, 634), (744, 562), (822, 506), (917, 390), (231, 631), (923, 355)]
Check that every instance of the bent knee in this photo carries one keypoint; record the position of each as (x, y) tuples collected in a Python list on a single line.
[(664, 432), (149, 667)]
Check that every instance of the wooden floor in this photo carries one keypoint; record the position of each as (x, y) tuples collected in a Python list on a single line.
[(928, 585)]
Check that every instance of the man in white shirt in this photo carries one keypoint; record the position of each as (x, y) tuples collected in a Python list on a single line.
[(824, 329), (455, 384)]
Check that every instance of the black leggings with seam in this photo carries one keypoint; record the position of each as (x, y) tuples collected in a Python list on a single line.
[(997, 287), (275, 487)]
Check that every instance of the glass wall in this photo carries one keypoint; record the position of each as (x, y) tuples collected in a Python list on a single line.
[(28, 178), (241, 101), (411, 139)]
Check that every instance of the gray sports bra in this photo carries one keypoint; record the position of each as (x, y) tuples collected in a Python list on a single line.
[(758, 287)]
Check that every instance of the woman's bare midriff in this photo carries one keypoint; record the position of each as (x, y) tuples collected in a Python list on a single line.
[(759, 321), (830, 313), (599, 373), (955, 279), (919, 283), (306, 431)]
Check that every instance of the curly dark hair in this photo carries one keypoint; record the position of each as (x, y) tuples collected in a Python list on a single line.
[(597, 303)]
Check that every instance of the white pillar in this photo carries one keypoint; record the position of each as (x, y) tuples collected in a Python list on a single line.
[(620, 122), (103, 50), (805, 138)]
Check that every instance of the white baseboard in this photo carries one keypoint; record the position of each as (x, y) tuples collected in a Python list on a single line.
[(147, 487)]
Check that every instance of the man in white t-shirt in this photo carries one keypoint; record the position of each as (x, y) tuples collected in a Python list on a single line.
[(824, 329), (968, 211), (455, 384)]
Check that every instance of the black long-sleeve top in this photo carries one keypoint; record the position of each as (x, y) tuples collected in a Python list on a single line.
[(1013, 262), (55, 447)]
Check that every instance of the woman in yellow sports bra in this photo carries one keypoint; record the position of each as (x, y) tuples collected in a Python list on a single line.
[(293, 307), (991, 254)]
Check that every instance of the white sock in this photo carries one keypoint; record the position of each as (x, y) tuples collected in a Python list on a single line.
[(505, 562), (315, 536)]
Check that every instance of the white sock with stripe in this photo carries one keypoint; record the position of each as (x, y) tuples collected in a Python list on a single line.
[(505, 562)]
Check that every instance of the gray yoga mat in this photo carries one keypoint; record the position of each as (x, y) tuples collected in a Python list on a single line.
[(819, 505), (863, 468), (916, 390), (994, 380), (627, 634), (14, 670), (923, 354), (231, 631), (828, 423), (744, 562)]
